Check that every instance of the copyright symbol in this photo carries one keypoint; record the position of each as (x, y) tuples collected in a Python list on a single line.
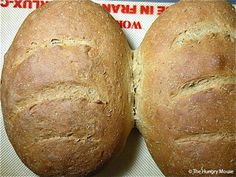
[(190, 171)]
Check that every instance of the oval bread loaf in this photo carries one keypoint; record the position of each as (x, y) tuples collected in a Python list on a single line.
[(65, 92), (186, 95)]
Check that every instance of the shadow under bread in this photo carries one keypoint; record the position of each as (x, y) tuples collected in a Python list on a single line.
[(121, 164)]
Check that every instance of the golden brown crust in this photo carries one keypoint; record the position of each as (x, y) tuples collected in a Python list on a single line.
[(187, 92), (65, 93)]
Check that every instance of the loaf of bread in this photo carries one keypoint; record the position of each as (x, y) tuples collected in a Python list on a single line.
[(186, 93), (70, 89), (66, 89)]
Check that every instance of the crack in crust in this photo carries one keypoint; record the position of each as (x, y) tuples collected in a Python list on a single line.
[(206, 137), (60, 91), (198, 85), (137, 72), (50, 44), (200, 30), (70, 138)]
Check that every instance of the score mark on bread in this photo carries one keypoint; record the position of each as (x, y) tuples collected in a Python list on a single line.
[(201, 30), (50, 44), (206, 137), (60, 91), (198, 85)]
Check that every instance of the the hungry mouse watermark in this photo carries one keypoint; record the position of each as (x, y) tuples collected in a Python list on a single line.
[(203, 171)]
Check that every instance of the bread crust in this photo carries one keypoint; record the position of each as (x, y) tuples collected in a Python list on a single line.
[(66, 89), (66, 92), (187, 94)]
